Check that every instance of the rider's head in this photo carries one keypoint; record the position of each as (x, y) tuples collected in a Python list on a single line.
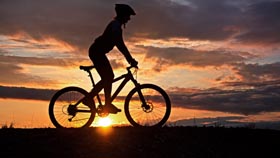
[(124, 12)]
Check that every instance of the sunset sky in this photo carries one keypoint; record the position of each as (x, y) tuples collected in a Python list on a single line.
[(219, 60)]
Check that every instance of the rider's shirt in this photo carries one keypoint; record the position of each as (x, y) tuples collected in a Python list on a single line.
[(106, 42), (112, 36)]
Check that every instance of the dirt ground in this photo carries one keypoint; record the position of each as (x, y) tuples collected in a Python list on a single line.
[(130, 142)]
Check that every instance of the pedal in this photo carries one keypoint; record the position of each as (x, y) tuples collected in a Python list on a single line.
[(101, 112)]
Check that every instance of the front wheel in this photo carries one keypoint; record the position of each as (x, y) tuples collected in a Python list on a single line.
[(147, 105), (64, 111)]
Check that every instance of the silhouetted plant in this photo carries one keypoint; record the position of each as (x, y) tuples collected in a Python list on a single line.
[(5, 126)]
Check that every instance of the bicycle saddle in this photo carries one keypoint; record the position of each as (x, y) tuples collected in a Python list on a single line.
[(87, 68)]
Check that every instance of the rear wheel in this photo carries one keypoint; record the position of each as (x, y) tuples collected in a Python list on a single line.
[(155, 109), (65, 114)]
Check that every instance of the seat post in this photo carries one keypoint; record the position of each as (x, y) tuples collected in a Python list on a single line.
[(93, 85), (91, 78)]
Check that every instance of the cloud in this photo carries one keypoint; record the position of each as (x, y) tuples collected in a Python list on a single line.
[(199, 20), (26, 93), (71, 21), (257, 72), (250, 84), (22, 44), (260, 23), (79, 22), (14, 69), (12, 74), (262, 98), (251, 101), (16, 60), (175, 56)]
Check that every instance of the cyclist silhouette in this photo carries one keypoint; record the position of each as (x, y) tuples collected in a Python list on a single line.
[(112, 36)]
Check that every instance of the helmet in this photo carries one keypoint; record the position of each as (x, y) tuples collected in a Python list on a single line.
[(124, 10)]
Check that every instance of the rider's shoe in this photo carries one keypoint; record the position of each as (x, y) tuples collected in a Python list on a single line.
[(111, 109), (88, 101)]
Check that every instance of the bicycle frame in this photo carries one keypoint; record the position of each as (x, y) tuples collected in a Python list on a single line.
[(127, 77)]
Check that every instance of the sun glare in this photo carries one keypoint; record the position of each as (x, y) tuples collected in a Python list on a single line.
[(104, 122)]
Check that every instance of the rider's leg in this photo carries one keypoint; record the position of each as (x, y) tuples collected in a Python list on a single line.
[(107, 76), (97, 88), (105, 71), (97, 60)]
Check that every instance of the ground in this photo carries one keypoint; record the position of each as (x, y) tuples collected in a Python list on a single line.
[(122, 142)]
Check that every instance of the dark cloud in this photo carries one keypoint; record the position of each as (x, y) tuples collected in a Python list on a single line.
[(39, 61), (202, 20), (261, 23), (258, 72), (12, 71), (255, 100), (170, 56), (14, 74), (253, 84), (251, 101), (26, 93), (8, 92), (79, 22), (199, 20), (72, 21)]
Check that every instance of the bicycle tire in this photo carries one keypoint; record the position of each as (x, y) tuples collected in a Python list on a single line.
[(156, 98), (59, 113)]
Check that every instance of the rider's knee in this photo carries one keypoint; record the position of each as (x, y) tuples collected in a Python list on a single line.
[(111, 76)]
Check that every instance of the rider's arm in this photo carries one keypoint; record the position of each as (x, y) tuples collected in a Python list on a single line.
[(121, 45)]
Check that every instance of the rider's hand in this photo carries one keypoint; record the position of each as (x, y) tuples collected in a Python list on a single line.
[(134, 63)]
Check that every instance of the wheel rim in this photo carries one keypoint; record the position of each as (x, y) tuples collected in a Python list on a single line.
[(154, 112), (65, 115)]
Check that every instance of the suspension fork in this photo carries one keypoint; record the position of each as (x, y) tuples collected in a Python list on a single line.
[(141, 96)]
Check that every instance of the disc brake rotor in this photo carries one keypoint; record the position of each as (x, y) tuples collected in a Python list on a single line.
[(148, 107)]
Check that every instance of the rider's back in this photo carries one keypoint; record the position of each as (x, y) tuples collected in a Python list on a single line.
[(106, 42)]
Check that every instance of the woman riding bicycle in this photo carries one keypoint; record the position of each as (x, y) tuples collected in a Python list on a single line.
[(112, 36)]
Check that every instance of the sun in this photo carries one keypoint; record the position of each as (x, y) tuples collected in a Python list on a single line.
[(104, 122)]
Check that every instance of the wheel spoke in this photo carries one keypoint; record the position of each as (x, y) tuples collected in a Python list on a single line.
[(59, 109), (157, 112)]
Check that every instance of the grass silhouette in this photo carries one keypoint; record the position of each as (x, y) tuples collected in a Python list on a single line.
[(5, 126)]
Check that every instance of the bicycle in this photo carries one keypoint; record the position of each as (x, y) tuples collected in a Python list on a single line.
[(145, 104)]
